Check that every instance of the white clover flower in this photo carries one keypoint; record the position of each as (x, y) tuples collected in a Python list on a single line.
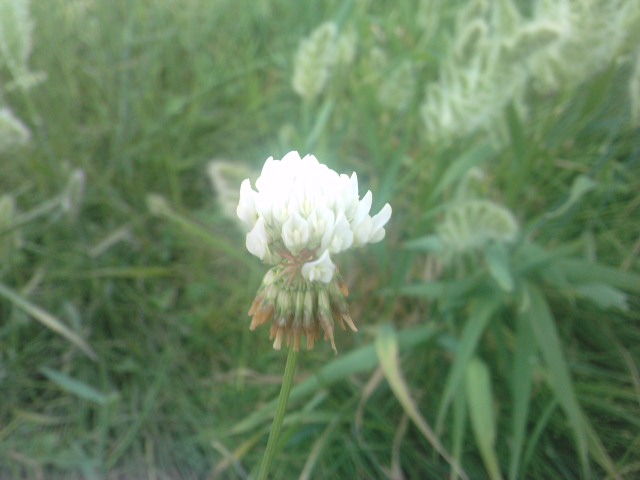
[(314, 61), (300, 213), (471, 224), (302, 208)]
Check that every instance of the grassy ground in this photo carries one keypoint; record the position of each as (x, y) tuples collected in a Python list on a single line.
[(124, 342)]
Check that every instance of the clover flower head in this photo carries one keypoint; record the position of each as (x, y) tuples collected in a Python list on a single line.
[(471, 224), (300, 214), (314, 61), (301, 209)]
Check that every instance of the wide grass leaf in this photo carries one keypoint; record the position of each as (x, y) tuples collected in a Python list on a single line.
[(497, 258), (483, 423), (583, 271), (603, 295), (482, 312), (548, 341), (521, 383)]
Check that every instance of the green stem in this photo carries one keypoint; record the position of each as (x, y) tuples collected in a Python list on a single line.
[(287, 380)]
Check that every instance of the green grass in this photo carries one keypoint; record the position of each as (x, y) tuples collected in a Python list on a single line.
[(530, 339)]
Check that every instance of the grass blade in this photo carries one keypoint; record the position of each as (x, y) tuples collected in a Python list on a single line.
[(77, 388), (460, 166), (548, 341), (522, 382), (581, 186), (480, 402), (358, 361), (582, 271), (458, 430), (47, 320), (497, 258), (475, 326), (387, 349)]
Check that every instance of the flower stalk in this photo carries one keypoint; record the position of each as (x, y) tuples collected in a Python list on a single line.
[(276, 427)]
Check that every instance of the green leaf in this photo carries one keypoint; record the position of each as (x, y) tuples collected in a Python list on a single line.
[(603, 295), (546, 336), (533, 438), (459, 426), (587, 440), (530, 256), (581, 271), (77, 388), (497, 258), (321, 122), (581, 186), (521, 383), (432, 290), (480, 402), (440, 290), (387, 349), (429, 243), (482, 312), (461, 165)]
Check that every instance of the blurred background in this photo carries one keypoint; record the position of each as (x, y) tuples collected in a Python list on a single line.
[(498, 321)]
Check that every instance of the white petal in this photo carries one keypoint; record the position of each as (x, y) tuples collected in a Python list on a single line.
[(342, 237), (246, 209), (257, 240), (377, 235), (320, 270), (263, 181), (295, 233), (363, 208), (371, 230), (291, 160), (362, 232), (354, 184), (321, 224), (383, 216)]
